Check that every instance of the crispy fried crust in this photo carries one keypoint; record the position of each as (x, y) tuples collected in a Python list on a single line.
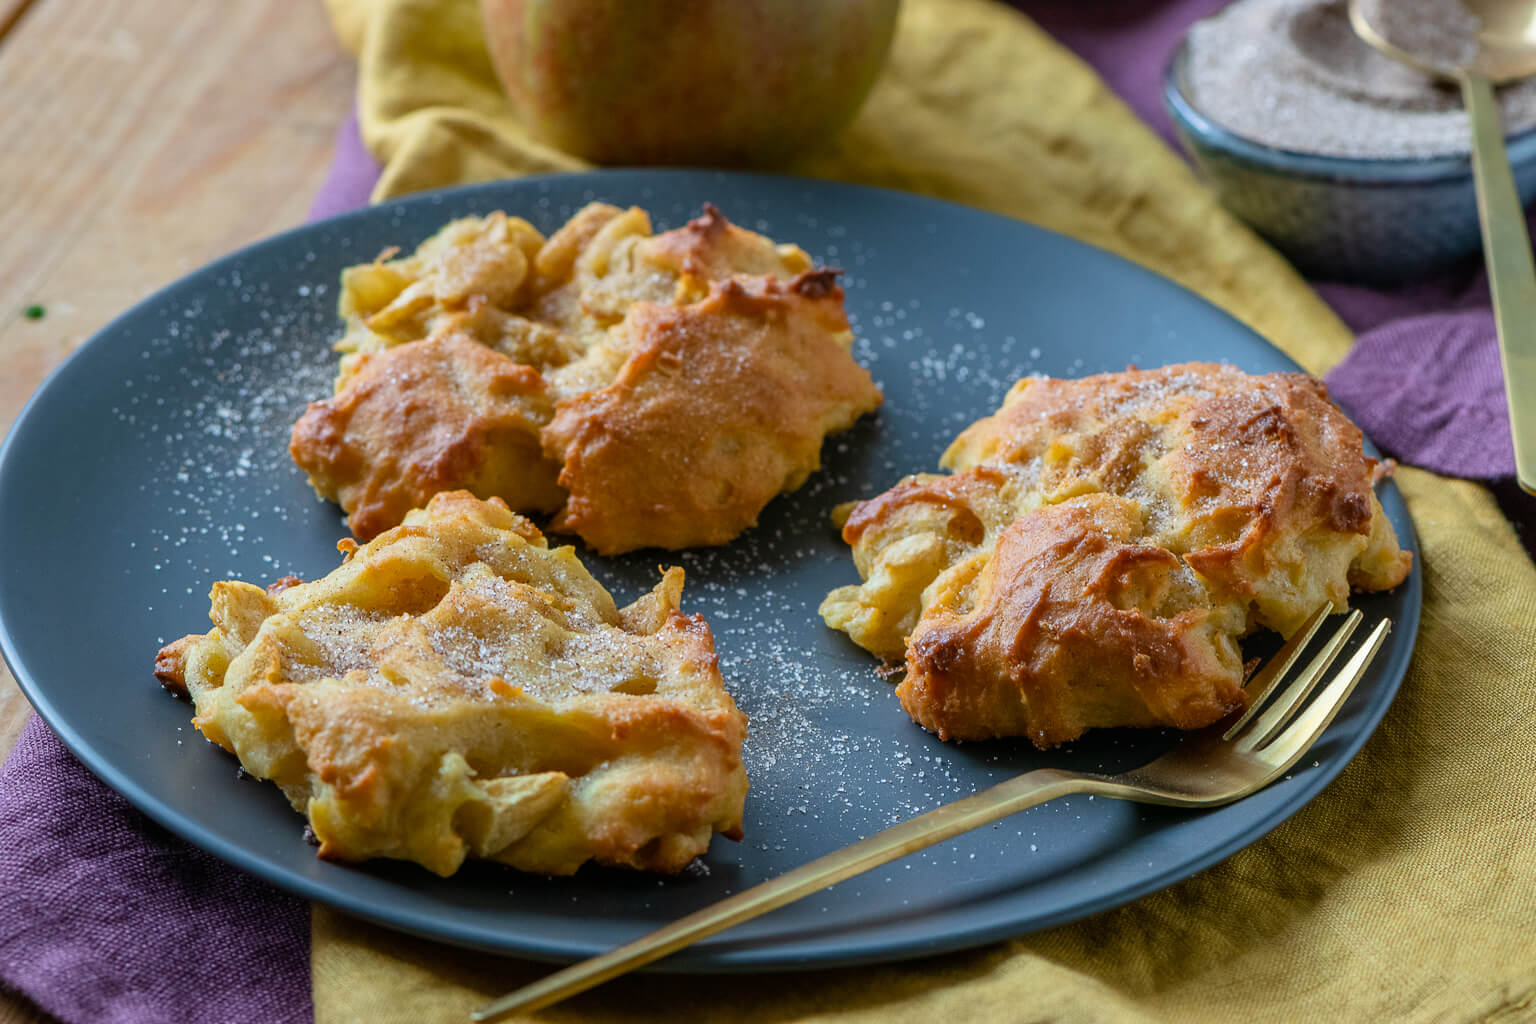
[(458, 689), (674, 452), (458, 357), (1102, 543), (444, 413)]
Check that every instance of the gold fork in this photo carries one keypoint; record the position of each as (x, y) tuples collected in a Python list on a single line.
[(1206, 769)]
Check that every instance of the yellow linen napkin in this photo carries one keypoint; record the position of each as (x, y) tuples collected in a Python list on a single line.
[(1406, 891)]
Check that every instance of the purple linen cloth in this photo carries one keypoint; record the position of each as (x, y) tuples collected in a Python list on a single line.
[(104, 917), (108, 919), (351, 178), (1430, 389)]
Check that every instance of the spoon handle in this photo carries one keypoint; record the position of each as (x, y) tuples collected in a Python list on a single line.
[(1507, 250)]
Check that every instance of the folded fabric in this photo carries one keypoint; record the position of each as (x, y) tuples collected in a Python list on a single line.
[(1403, 892), (351, 176), (1430, 390), (108, 918)]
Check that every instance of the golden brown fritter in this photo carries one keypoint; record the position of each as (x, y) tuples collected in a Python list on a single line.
[(674, 452), (458, 689), (725, 356), (428, 416), (1101, 545)]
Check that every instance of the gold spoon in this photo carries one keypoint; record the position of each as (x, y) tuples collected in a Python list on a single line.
[(1487, 43)]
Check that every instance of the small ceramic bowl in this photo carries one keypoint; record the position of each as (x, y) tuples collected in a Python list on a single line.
[(1375, 221)]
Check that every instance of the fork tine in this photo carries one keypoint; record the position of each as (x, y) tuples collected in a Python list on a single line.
[(1290, 745), (1276, 668), (1301, 687)]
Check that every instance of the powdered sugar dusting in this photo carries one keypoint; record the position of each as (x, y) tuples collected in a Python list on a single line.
[(213, 404)]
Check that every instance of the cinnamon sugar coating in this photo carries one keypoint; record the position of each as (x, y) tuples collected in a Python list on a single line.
[(653, 390), (459, 689), (1101, 544)]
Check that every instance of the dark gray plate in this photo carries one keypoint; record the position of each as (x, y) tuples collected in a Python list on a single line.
[(154, 462)]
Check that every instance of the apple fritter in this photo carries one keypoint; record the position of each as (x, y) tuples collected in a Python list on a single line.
[(438, 414), (674, 452), (653, 390), (457, 688), (1101, 544)]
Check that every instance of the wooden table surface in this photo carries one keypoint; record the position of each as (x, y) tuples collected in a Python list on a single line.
[(140, 139)]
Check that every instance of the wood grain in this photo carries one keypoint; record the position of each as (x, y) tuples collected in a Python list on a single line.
[(11, 12), (144, 138)]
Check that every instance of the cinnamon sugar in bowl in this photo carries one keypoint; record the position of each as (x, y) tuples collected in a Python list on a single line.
[(1353, 167)]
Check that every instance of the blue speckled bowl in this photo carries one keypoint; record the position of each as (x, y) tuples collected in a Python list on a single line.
[(1377, 221)]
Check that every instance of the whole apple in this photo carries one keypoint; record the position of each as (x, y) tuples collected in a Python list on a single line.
[(687, 81)]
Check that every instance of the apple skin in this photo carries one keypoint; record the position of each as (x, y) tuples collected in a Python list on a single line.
[(687, 81)]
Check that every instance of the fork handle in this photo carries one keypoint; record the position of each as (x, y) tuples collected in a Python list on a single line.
[(1009, 797)]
